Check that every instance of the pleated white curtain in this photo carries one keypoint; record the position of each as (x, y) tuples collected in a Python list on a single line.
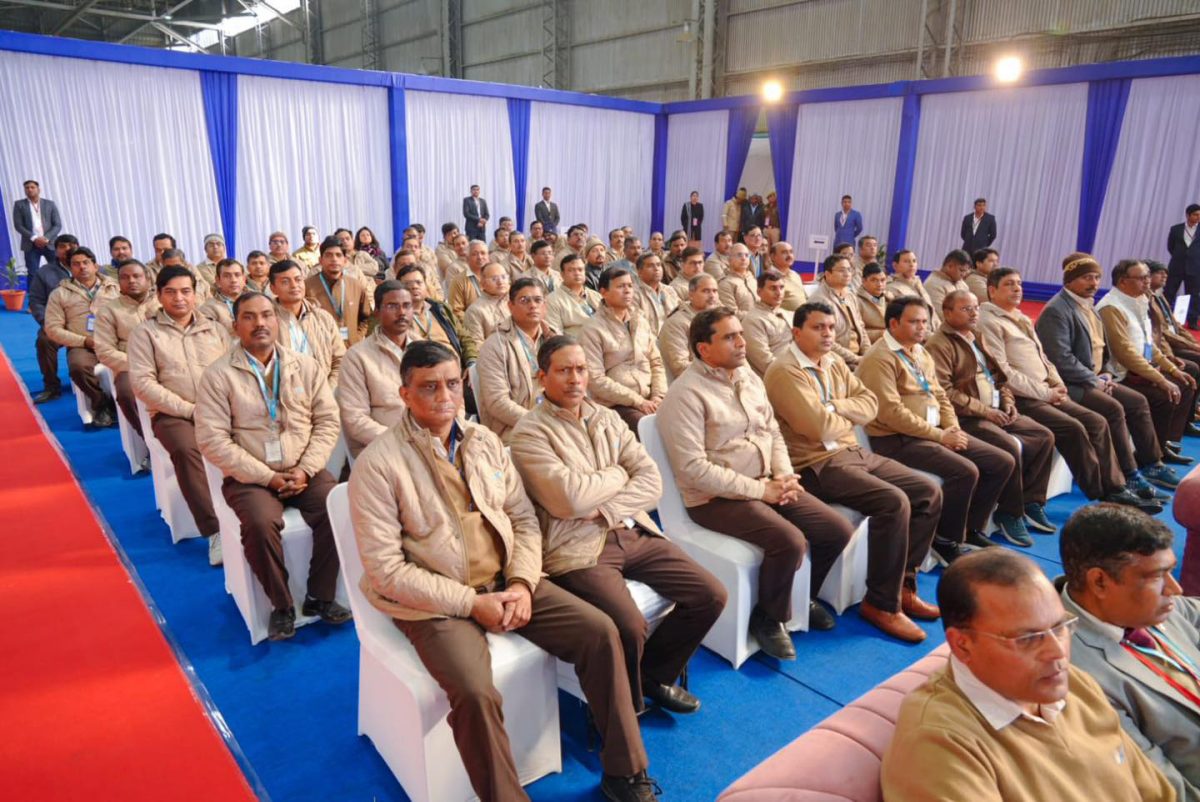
[(120, 149), (843, 148), (598, 162), (1022, 149), (1156, 173), (311, 153), (696, 145), (455, 141)]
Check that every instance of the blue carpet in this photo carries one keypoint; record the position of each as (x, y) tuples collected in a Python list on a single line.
[(292, 707)]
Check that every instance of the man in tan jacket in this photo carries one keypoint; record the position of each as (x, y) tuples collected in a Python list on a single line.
[(626, 367), (690, 265), (673, 338), (491, 309), (781, 257), (71, 312), (229, 282), (368, 392), (653, 299), (433, 320), (905, 282), (834, 291), (303, 325), (214, 252), (265, 416), (507, 366), (767, 328), (340, 294), (737, 289), (818, 402), (167, 356), (872, 300), (465, 289), (542, 259), (572, 304), (258, 273), (308, 255), (518, 260), (452, 550), (985, 260), (115, 321), (593, 484), (732, 468), (951, 276), (718, 261), (917, 427)]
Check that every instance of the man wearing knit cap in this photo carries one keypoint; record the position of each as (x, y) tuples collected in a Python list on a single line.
[(214, 252), (595, 257)]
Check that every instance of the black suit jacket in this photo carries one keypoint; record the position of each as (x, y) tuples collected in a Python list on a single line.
[(1067, 341), (685, 220), (752, 217), (981, 238), (473, 225), (548, 217), (1185, 259)]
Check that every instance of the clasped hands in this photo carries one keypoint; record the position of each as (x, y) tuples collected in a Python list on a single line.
[(503, 610), (289, 483)]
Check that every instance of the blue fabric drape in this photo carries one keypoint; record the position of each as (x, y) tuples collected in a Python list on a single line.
[(398, 149), (658, 187), (742, 122), (6, 251), (781, 133), (220, 91), (518, 131), (906, 163), (1105, 113)]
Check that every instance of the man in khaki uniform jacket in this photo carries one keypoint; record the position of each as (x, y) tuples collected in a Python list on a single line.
[(542, 269), (214, 253), (340, 294), (229, 283), (368, 393), (872, 300), (834, 291), (278, 248), (767, 329), (783, 260), (718, 261), (917, 427), (308, 255), (573, 303), (507, 366), (691, 264), (359, 264), (626, 366), (738, 289), (451, 550), (167, 356), (593, 483), (732, 468), (673, 338), (258, 273), (173, 257), (444, 251), (951, 276), (465, 289), (115, 321), (653, 299), (985, 260), (433, 320), (491, 309), (303, 326), (265, 416), (818, 402), (71, 312), (518, 259), (905, 282)]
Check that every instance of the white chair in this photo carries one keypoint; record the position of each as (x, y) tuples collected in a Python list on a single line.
[(240, 581), (131, 442), (403, 711), (735, 563), (82, 406), (846, 584), (1061, 477), (473, 380), (167, 495), (337, 459)]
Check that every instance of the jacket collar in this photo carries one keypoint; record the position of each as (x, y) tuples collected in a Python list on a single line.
[(999, 711), (241, 361), (803, 361), (587, 411), (894, 345)]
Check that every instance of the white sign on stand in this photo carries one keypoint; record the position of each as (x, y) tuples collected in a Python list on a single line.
[(818, 244)]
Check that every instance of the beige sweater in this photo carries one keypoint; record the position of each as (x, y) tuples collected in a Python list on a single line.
[(673, 341), (166, 362), (767, 331), (903, 400), (368, 392), (115, 321), (624, 365)]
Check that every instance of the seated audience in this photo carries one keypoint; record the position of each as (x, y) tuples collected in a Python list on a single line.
[(466, 287), (340, 293), (508, 373), (984, 260), (738, 288), (433, 320), (905, 282), (691, 264), (834, 291), (673, 337), (258, 273), (304, 326), (359, 265), (672, 263), (783, 260), (115, 321), (767, 328), (173, 257), (490, 309), (595, 258), (573, 303), (214, 252), (543, 269), (653, 299), (445, 249), (119, 248), (278, 248), (518, 260), (308, 255), (718, 261), (229, 281), (951, 276), (1183, 345), (872, 300)]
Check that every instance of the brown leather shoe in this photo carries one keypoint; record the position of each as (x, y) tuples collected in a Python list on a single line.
[(916, 607), (898, 625)]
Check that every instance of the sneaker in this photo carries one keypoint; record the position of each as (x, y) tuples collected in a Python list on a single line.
[(1123, 496), (282, 625), (1161, 475), (330, 611), (1013, 529), (946, 552), (636, 788), (1137, 484), (214, 550), (977, 540), (1035, 519)]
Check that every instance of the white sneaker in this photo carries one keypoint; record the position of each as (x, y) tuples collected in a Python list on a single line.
[(214, 550)]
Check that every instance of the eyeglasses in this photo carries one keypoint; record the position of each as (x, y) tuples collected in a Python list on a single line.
[(530, 300), (1033, 642)]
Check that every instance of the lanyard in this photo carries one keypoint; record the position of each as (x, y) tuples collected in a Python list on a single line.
[(271, 399), (338, 307), (91, 294), (982, 360), (916, 371), (228, 305), (1177, 661), (826, 394), (299, 337), (529, 357), (427, 325), (588, 308)]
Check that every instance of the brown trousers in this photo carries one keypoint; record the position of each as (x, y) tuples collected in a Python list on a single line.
[(81, 365), (783, 532), (1129, 422), (631, 416), (1170, 417), (455, 652), (698, 596), (1084, 440), (47, 359), (127, 401), (178, 437), (972, 480), (903, 509), (260, 511), (1031, 476)]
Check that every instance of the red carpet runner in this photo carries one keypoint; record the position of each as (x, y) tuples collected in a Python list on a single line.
[(93, 702)]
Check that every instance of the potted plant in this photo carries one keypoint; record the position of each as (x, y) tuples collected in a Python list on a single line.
[(14, 296)]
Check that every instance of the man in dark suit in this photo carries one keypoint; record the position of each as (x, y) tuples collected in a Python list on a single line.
[(37, 220), (1184, 267), (848, 223), (41, 284), (752, 214), (475, 210), (978, 229), (546, 212), (691, 217)]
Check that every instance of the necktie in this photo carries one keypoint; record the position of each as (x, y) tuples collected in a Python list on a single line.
[(1140, 637)]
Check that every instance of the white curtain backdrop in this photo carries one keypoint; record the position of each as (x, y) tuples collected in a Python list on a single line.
[(696, 146), (120, 149), (843, 148), (455, 141), (311, 153), (599, 163), (1022, 149), (759, 173), (1156, 173)]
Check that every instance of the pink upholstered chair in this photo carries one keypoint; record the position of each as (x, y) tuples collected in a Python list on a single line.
[(1186, 507), (839, 759)]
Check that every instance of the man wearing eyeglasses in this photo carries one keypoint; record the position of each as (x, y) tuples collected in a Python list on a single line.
[(1010, 718), (508, 384), (1138, 636)]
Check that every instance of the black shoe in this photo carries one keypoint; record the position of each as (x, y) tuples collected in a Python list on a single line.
[(946, 552), (977, 540), (819, 618), (1123, 496), (330, 611), (638, 788), (1175, 458), (283, 624), (673, 698), (772, 636), (103, 419), (46, 396)]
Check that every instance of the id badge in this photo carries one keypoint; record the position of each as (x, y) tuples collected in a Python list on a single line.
[(274, 451), (1147, 350), (831, 445), (91, 323), (995, 400), (933, 415), (345, 331)]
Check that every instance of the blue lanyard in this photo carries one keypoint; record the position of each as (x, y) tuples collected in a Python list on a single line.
[(916, 371), (298, 336), (1186, 667), (529, 357), (91, 294), (228, 305), (982, 360), (270, 399), (338, 307), (588, 308), (826, 394)]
